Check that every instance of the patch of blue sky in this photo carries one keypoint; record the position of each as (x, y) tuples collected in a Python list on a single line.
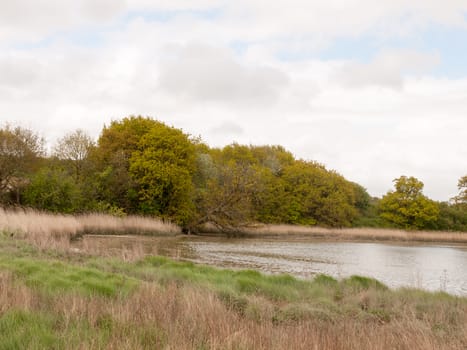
[(31, 45), (92, 36), (361, 49), (89, 37), (449, 43), (166, 16), (239, 47)]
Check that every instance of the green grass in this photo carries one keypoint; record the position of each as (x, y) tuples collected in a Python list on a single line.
[(56, 277), (244, 282), (41, 330)]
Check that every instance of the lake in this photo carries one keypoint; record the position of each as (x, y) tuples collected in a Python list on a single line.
[(432, 267)]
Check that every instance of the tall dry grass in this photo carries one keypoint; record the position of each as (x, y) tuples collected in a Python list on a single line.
[(357, 233), (54, 231), (185, 317)]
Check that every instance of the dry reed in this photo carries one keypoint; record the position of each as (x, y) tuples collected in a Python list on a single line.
[(54, 231), (357, 233), (184, 317)]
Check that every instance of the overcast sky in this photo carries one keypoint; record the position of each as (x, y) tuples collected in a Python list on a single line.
[(372, 89)]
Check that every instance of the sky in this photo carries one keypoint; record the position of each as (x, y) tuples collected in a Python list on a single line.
[(372, 89)]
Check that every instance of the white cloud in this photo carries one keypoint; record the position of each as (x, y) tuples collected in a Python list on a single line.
[(209, 74), (286, 21), (387, 69), (227, 128), (31, 21), (188, 72)]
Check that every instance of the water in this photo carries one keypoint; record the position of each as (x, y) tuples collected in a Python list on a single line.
[(427, 266)]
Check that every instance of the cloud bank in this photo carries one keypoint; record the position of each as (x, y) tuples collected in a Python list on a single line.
[(357, 86)]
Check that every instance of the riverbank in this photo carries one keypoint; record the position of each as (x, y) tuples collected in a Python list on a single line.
[(348, 234), (53, 298)]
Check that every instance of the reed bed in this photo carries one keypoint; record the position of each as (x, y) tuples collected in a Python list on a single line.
[(47, 230), (357, 233)]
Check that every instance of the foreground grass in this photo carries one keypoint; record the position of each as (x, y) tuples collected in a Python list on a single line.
[(55, 299)]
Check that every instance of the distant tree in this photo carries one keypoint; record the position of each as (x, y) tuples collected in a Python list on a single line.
[(452, 217), (20, 152), (407, 207), (461, 198), (362, 198), (74, 147)]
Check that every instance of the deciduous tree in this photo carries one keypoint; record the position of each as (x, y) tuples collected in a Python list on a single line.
[(20, 150), (407, 207), (461, 198), (111, 157), (227, 197), (163, 168), (74, 147)]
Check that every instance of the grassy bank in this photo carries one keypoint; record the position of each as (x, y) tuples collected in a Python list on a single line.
[(57, 298)]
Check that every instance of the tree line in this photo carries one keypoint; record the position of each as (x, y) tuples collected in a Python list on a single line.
[(140, 165)]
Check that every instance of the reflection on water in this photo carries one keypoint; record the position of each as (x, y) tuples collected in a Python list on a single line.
[(432, 267)]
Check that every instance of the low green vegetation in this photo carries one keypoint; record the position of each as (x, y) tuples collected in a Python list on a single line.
[(21, 329), (56, 277), (142, 166)]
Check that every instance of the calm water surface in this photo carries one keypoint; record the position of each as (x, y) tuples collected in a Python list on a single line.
[(427, 266)]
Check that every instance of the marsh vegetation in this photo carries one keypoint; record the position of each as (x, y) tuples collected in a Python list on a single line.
[(54, 296)]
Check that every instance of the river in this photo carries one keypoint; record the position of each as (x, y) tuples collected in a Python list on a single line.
[(431, 267)]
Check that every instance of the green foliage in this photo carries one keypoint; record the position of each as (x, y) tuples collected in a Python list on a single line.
[(142, 166), (225, 200), (20, 153), (452, 217), (369, 217), (266, 184), (162, 166), (407, 207), (111, 157), (362, 199), (317, 195), (53, 189)]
